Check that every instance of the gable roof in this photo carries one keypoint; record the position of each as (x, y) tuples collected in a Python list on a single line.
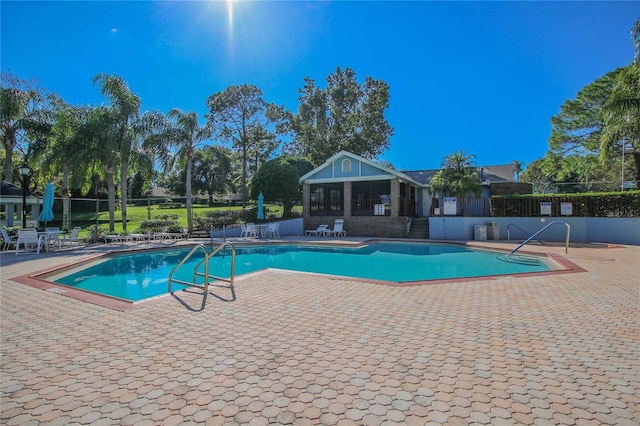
[(326, 172)]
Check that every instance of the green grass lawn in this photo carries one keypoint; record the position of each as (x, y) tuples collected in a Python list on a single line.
[(137, 214)]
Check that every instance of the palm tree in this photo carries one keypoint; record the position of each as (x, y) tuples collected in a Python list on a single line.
[(182, 131), (24, 111), (621, 116), (458, 176), (126, 106), (635, 36), (517, 166), (62, 150), (97, 138)]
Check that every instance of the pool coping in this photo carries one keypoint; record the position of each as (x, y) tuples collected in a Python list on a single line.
[(35, 279)]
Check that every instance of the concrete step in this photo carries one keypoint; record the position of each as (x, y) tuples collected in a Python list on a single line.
[(419, 229)]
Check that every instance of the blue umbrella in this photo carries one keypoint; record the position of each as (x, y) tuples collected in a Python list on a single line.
[(260, 206), (47, 204)]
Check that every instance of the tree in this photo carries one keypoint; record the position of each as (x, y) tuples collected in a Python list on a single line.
[(240, 115), (60, 155), (182, 131), (138, 186), (635, 36), (621, 118), (458, 176), (597, 125), (211, 173), (99, 143), (578, 126), (537, 175), (344, 116), (277, 179), (25, 113), (576, 135), (518, 169), (126, 106), (212, 170)]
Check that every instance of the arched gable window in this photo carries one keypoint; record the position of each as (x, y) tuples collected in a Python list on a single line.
[(346, 165)]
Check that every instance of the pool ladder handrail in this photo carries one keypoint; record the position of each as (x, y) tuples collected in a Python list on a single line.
[(566, 248), (521, 230), (205, 274)]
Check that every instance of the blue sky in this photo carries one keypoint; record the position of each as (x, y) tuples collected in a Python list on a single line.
[(484, 77)]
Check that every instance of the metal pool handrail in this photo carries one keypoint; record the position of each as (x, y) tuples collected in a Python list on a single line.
[(214, 277), (206, 275), (521, 230), (566, 249)]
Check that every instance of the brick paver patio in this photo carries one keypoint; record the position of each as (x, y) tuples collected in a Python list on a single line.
[(304, 349)]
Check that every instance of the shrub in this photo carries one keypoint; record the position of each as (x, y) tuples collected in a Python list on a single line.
[(159, 225), (166, 216), (217, 219), (601, 204)]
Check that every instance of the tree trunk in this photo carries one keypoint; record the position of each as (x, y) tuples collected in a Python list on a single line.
[(8, 169), (286, 209), (65, 197), (8, 164), (244, 176), (124, 168), (111, 190), (188, 184)]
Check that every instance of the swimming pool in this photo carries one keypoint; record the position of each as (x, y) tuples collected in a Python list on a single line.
[(141, 275)]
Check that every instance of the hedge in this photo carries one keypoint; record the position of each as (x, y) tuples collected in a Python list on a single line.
[(600, 204)]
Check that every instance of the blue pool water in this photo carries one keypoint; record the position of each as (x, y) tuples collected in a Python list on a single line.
[(137, 276)]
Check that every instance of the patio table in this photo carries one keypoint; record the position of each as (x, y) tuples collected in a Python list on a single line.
[(50, 236), (261, 229)]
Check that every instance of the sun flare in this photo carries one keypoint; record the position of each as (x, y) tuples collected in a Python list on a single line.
[(230, 13)]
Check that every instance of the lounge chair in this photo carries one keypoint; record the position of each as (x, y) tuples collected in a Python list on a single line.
[(122, 239), (338, 229), (175, 235), (138, 238), (8, 240), (30, 239), (320, 230)]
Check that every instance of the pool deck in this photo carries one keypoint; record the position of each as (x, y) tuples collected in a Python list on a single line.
[(304, 349)]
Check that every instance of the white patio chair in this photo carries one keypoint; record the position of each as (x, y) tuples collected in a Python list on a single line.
[(30, 240), (52, 236), (338, 229), (73, 237), (251, 230), (272, 230), (8, 240)]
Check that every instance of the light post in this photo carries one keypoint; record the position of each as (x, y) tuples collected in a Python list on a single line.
[(25, 170)]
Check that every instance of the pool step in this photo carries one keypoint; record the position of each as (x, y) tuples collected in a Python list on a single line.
[(419, 228)]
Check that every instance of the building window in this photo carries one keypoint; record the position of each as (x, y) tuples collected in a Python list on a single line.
[(371, 198), (326, 200), (346, 165)]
